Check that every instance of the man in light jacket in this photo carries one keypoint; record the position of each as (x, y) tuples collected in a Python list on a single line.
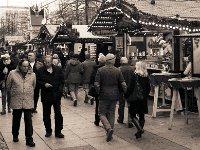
[(21, 83)]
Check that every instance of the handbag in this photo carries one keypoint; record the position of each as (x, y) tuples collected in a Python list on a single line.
[(139, 93), (92, 91)]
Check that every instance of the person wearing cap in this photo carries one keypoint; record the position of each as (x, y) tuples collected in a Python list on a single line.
[(88, 67), (127, 72), (107, 81), (73, 77), (6, 65)]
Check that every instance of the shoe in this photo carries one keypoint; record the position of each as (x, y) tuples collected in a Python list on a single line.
[(130, 125), (48, 134), (30, 143), (86, 99), (15, 139), (92, 101), (9, 110), (120, 121), (34, 111), (3, 112), (138, 134), (96, 123), (75, 103), (109, 135), (59, 135)]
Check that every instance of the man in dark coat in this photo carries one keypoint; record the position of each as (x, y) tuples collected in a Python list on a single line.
[(51, 80), (107, 81), (35, 65)]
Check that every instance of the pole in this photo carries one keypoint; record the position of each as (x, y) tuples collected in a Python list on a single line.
[(86, 11), (125, 44)]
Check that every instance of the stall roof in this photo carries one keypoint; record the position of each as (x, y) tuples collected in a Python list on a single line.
[(164, 14), (83, 32), (188, 35), (52, 28), (167, 8)]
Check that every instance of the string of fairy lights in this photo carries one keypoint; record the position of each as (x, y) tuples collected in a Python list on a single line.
[(104, 16)]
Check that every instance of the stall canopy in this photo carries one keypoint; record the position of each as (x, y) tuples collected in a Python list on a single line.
[(46, 33), (76, 34), (138, 15)]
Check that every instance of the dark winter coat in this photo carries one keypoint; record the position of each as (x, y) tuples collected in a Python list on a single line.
[(107, 81), (56, 79), (140, 106), (88, 67), (73, 72), (127, 72)]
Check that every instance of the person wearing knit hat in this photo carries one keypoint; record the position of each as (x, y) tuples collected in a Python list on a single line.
[(107, 81)]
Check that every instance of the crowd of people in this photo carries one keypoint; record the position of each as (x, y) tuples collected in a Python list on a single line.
[(22, 78)]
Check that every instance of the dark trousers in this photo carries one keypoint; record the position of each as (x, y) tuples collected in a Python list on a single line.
[(36, 96), (47, 116), (121, 108), (17, 114), (97, 119)]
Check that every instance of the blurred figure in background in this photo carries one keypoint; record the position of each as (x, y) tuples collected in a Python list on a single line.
[(101, 63), (127, 72), (73, 76), (88, 67), (35, 65), (6, 65)]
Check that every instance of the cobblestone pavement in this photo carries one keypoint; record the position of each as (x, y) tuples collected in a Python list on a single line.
[(81, 134)]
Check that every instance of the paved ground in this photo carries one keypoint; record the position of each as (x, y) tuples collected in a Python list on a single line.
[(82, 134)]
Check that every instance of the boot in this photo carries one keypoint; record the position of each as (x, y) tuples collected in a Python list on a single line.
[(9, 110), (97, 120), (142, 125), (139, 128), (86, 99), (3, 111)]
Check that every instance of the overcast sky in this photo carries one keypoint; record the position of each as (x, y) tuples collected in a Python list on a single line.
[(25, 3)]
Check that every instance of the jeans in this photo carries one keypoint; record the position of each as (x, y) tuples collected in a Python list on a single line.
[(107, 113), (47, 116), (5, 98), (17, 114), (73, 88)]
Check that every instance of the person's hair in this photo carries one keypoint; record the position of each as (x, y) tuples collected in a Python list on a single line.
[(21, 61), (110, 58), (141, 68), (102, 59), (48, 56), (55, 56), (123, 60), (32, 52)]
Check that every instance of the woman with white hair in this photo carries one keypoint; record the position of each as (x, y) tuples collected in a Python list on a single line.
[(107, 81), (138, 105)]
